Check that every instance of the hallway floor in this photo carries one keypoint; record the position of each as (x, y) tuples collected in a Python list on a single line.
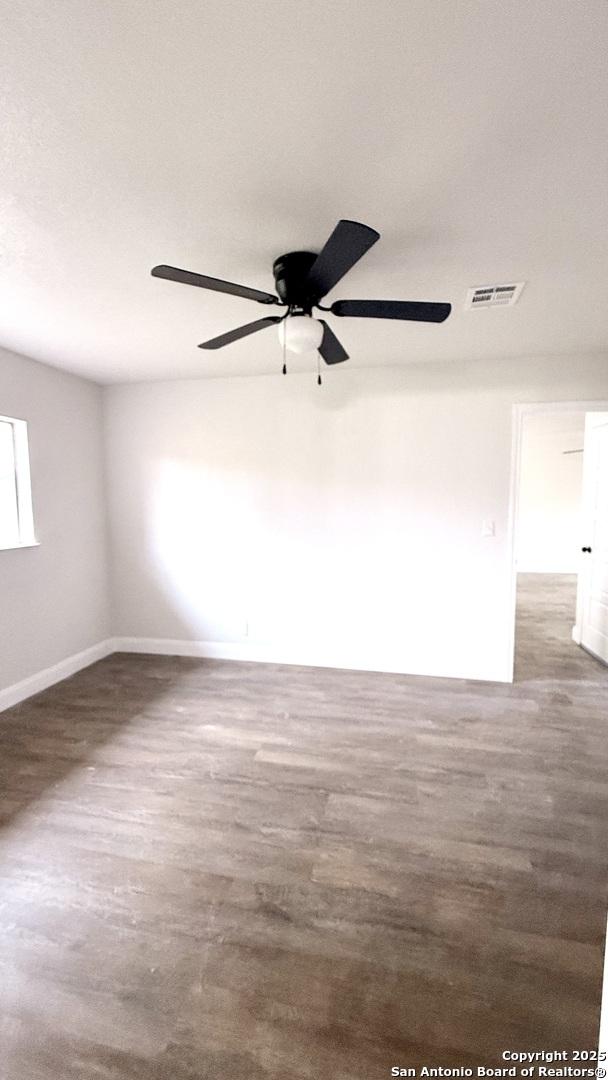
[(544, 649), (221, 871)]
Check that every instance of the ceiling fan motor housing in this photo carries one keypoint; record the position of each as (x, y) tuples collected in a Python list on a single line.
[(291, 279)]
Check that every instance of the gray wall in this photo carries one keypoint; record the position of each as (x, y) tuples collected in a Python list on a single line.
[(275, 520), (54, 597), (268, 518)]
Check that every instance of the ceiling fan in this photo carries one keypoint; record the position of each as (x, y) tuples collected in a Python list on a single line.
[(302, 280)]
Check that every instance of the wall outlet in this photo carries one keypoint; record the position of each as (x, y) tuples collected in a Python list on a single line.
[(488, 528)]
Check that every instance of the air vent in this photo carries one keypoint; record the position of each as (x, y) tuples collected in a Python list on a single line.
[(493, 296)]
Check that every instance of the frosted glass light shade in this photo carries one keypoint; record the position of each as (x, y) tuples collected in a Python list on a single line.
[(301, 333)]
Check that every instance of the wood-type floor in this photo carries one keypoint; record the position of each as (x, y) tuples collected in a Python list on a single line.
[(222, 871)]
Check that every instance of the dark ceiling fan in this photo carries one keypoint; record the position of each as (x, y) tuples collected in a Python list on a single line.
[(302, 280)]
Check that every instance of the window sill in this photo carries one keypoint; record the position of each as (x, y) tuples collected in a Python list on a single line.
[(16, 547)]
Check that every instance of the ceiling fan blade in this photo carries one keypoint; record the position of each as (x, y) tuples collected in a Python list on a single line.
[(347, 244), (240, 332), (187, 277), (412, 310), (330, 348)]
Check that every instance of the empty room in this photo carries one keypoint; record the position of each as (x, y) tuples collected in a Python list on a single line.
[(303, 539)]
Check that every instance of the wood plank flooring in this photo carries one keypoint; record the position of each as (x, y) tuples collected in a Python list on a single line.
[(221, 871)]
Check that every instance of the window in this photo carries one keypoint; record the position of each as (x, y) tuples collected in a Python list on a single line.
[(16, 521)]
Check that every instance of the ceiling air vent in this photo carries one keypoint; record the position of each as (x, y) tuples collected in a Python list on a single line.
[(493, 296)]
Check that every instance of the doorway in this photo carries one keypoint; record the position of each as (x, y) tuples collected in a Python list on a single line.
[(560, 575)]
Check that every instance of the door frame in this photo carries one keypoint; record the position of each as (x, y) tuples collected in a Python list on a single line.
[(519, 412), (577, 630)]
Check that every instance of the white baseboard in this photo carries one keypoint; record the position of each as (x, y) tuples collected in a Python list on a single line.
[(41, 680), (576, 635), (222, 650), (297, 655), (562, 569)]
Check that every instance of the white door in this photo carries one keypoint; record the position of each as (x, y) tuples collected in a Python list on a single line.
[(592, 603)]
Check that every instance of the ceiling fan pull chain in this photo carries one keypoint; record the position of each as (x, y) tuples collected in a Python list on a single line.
[(319, 382), (284, 348)]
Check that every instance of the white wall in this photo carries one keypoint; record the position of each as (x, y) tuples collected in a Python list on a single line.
[(548, 523), (54, 597), (339, 525)]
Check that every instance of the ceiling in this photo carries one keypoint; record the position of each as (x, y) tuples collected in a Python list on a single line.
[(215, 136)]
